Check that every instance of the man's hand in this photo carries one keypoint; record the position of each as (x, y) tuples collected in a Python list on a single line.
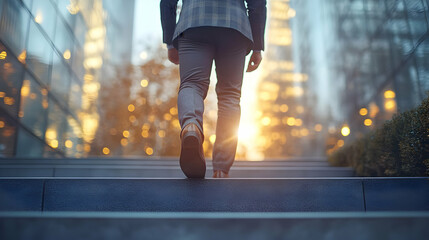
[(254, 61), (173, 55)]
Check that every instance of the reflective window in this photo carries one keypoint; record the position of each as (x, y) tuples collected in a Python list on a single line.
[(78, 63), (74, 142), (1, 8), (14, 26), (68, 10), (28, 3), (28, 145), (55, 133), (39, 54), (60, 79), (51, 153), (10, 81), (75, 99), (45, 15), (8, 135), (80, 29), (34, 102), (64, 40)]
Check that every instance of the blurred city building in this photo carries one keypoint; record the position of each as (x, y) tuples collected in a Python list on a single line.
[(366, 61), (53, 54), (334, 70), (287, 121)]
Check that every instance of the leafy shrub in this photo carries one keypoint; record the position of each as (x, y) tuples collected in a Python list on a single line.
[(399, 148)]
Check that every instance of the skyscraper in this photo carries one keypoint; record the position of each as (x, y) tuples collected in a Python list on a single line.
[(51, 59)]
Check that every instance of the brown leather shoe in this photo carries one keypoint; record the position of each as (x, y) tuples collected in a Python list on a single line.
[(220, 174), (192, 160)]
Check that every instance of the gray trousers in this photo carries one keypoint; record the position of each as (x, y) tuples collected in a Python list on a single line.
[(198, 47)]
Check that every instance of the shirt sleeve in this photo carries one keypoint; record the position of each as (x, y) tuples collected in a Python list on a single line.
[(257, 11), (168, 19)]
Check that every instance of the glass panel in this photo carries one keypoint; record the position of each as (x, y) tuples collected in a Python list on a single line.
[(64, 40), (75, 100), (51, 153), (34, 103), (55, 133), (1, 7), (28, 3), (8, 135), (44, 14), (74, 142), (60, 80), (68, 11), (14, 26), (39, 54), (78, 62), (28, 145), (10, 81), (80, 29)]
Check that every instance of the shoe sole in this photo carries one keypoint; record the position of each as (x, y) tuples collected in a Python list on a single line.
[(190, 158)]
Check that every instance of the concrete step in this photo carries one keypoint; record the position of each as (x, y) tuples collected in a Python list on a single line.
[(216, 195), (312, 162), (165, 168), (189, 226)]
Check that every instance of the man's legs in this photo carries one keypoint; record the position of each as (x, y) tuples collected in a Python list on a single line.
[(231, 49), (196, 59)]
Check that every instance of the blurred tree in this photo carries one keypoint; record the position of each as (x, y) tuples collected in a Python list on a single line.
[(138, 110)]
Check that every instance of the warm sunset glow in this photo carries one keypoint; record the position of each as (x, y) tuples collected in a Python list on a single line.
[(173, 111), (22, 56), (247, 132), (149, 151), (212, 138), (144, 83), (345, 131), (39, 18), (363, 111), (51, 134), (389, 94), (367, 122), (390, 105), (106, 150), (161, 133), (318, 127), (143, 55), (53, 143), (68, 144), (3, 55), (340, 143), (167, 117), (284, 108), (73, 8), (373, 110), (145, 134), (126, 133), (131, 108), (67, 54), (25, 89), (291, 121), (132, 118), (2, 124)]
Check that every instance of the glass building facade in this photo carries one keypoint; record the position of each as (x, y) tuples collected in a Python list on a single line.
[(52, 56), (335, 70), (366, 60)]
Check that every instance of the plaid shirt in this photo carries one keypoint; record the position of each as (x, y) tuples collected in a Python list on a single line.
[(216, 13)]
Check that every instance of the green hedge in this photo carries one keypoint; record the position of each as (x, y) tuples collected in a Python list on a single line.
[(399, 148)]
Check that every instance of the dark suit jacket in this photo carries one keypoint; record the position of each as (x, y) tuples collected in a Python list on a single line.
[(250, 20)]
